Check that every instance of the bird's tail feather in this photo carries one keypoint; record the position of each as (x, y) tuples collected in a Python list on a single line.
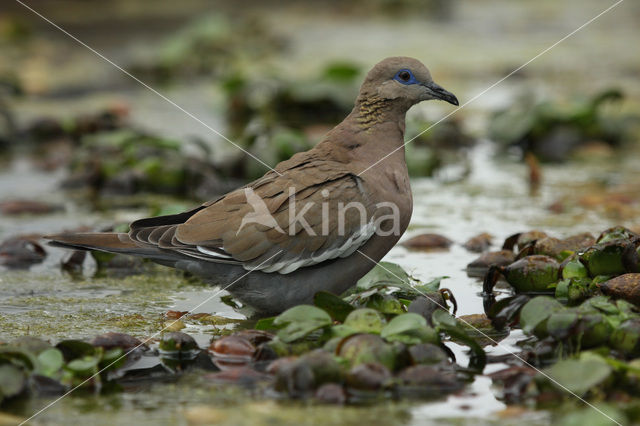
[(109, 242)]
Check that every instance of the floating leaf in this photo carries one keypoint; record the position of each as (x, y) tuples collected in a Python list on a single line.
[(300, 321), (265, 324), (50, 361), (431, 286), (410, 329), (364, 321), (18, 356), (384, 274), (574, 269), (445, 322), (586, 417), (72, 349), (335, 306), (113, 359), (385, 304), (536, 312), (342, 330), (12, 380), (579, 375), (367, 348), (84, 366), (229, 300), (443, 318)]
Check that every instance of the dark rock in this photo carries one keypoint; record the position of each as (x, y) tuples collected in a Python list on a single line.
[(428, 242), (479, 267), (21, 252), (331, 393), (369, 376), (479, 243)]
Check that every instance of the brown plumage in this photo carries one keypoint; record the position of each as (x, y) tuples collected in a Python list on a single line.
[(255, 227)]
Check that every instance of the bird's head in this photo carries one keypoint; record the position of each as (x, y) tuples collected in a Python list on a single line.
[(404, 79)]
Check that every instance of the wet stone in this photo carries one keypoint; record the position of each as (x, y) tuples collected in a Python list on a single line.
[(369, 376), (19, 207), (117, 340), (428, 242), (295, 378), (479, 267), (177, 342), (479, 243), (21, 252), (427, 353), (625, 287), (331, 393), (232, 349), (424, 375)]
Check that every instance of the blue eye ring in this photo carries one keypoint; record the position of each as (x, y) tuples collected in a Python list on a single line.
[(405, 76)]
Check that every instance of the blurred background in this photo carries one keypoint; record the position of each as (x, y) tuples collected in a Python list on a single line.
[(84, 146), (81, 139), (274, 76)]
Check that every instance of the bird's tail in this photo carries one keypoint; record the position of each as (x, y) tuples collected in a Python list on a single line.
[(106, 241)]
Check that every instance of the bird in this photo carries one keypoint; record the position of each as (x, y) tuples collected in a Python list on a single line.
[(318, 221)]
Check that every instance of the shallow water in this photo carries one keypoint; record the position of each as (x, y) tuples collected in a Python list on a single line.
[(495, 198)]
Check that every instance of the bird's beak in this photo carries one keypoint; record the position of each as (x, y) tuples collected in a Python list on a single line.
[(435, 91)]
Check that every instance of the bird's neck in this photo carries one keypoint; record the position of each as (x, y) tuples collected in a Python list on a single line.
[(372, 111)]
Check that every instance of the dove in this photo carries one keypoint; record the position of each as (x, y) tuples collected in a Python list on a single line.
[(318, 221)]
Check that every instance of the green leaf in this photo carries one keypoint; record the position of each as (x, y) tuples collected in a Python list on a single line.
[(365, 348), (431, 286), (113, 359), (341, 330), (586, 417), (574, 269), (444, 318), (536, 311), (364, 321), (230, 301), (18, 356), (299, 321), (579, 375), (83, 366), (601, 303), (409, 328), (72, 349), (50, 361), (12, 380), (265, 324), (385, 304), (384, 273), (335, 306), (447, 323)]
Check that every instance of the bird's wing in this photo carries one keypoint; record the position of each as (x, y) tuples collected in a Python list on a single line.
[(278, 223)]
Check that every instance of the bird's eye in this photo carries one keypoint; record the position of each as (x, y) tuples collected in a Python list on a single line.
[(405, 76)]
